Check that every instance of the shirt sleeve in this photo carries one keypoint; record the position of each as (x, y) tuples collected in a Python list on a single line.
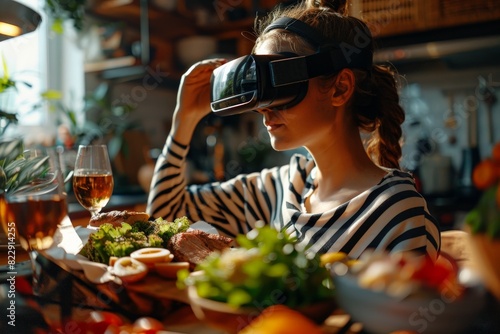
[(232, 206)]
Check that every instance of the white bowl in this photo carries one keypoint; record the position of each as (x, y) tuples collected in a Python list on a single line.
[(379, 312)]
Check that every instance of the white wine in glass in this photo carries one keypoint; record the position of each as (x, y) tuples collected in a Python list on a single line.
[(93, 177), (33, 212)]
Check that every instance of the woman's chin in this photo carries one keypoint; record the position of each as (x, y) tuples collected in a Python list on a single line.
[(282, 145)]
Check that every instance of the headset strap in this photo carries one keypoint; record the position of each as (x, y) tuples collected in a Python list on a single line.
[(300, 28), (330, 58), (302, 68)]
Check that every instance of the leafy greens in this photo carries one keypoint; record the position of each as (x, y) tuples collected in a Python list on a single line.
[(122, 240), (268, 268)]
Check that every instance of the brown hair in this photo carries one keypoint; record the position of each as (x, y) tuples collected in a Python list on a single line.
[(375, 102)]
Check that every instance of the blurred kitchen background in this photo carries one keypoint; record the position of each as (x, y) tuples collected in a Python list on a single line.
[(110, 71)]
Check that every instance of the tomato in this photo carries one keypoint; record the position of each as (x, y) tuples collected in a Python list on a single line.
[(484, 174), (106, 317), (84, 327), (147, 325), (437, 274), (99, 322)]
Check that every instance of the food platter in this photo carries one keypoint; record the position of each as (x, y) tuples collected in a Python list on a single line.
[(154, 295), (112, 283)]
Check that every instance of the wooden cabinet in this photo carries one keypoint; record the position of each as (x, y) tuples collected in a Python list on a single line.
[(164, 28), (390, 18), (227, 19), (162, 24)]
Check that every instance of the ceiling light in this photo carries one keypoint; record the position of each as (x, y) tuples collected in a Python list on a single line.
[(17, 19)]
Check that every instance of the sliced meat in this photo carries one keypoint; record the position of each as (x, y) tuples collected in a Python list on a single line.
[(194, 246), (214, 241)]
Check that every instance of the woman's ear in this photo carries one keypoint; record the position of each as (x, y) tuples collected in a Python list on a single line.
[(343, 87)]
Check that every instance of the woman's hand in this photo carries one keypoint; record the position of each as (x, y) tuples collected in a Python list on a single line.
[(193, 97)]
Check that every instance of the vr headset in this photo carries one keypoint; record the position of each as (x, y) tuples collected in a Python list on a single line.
[(279, 81)]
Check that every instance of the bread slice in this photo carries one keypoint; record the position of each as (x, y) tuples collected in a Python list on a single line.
[(117, 217)]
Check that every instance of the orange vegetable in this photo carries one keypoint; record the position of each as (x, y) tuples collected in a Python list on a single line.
[(485, 174), (280, 319)]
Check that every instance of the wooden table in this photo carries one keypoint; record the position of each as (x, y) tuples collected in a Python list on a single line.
[(60, 301), (69, 296)]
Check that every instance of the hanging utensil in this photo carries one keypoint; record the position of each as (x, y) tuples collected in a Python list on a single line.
[(489, 98), (451, 121), (470, 154)]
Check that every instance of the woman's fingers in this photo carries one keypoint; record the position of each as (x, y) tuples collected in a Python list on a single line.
[(194, 93), (204, 66)]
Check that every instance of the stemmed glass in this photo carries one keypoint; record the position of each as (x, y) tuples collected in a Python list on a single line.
[(93, 177), (32, 212)]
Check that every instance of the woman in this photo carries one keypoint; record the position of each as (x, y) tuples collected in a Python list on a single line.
[(349, 195)]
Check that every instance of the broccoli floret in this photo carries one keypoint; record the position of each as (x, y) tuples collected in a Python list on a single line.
[(155, 240), (169, 229), (138, 238), (123, 240), (148, 227)]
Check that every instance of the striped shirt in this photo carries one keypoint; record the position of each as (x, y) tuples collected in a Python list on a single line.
[(390, 216)]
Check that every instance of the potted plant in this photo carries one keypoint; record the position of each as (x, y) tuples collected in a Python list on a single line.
[(483, 222), (62, 10), (17, 170), (106, 121), (6, 84)]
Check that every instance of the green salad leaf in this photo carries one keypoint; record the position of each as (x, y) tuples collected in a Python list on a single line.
[(122, 240), (268, 268), (485, 216)]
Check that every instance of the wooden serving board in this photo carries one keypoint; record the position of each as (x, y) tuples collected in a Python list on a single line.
[(158, 287), (153, 295)]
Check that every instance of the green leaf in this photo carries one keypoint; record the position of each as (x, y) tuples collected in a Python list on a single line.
[(19, 170), (239, 297), (52, 94), (277, 270), (494, 228), (9, 117), (485, 217), (58, 26)]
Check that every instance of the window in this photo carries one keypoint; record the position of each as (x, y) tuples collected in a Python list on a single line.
[(25, 62), (44, 60)]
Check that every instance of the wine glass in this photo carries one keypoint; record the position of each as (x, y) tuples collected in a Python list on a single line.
[(93, 177), (33, 211)]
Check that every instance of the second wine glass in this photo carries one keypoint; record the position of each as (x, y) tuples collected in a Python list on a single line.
[(93, 177)]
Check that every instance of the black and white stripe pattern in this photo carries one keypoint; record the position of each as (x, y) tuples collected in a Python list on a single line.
[(391, 216)]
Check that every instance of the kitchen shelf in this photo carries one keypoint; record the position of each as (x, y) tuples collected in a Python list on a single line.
[(162, 29), (388, 19), (164, 24), (111, 63)]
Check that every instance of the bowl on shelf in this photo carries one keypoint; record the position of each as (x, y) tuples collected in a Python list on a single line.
[(195, 48), (427, 312), (233, 319)]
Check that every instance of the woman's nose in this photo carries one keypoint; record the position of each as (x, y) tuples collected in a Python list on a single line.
[(263, 110)]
